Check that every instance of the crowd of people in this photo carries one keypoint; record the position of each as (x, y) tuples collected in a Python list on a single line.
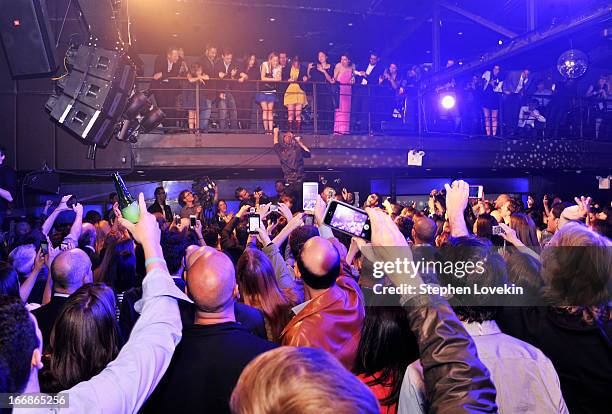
[(349, 97), (170, 316)]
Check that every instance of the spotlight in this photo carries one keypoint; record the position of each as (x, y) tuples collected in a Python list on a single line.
[(447, 102), (152, 119), (137, 104), (141, 116)]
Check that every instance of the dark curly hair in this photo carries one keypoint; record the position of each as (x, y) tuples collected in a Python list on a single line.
[(17, 342)]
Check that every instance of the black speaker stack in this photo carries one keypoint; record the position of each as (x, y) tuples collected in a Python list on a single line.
[(29, 43), (94, 93)]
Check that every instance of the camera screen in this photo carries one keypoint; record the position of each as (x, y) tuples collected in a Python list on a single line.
[(311, 190), (253, 223), (475, 191), (349, 220)]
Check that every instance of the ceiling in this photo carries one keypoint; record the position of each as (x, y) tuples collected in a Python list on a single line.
[(305, 26)]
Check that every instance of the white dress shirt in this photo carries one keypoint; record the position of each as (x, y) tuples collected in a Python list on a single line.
[(525, 379), (125, 383), (528, 118), (368, 71)]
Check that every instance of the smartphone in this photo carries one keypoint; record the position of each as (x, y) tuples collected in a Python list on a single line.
[(273, 207), (254, 223), (497, 230), (192, 222), (177, 219), (348, 219), (308, 219), (71, 202), (310, 191), (44, 247), (476, 191)]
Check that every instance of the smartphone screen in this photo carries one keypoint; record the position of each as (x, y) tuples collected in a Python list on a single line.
[(254, 223), (273, 207), (192, 221), (309, 199), (348, 219), (44, 247), (476, 191)]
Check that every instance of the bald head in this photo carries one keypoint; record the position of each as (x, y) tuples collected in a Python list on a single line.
[(424, 230), (70, 270), (211, 282), (194, 252), (319, 263)]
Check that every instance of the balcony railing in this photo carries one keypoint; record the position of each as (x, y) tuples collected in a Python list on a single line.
[(227, 105)]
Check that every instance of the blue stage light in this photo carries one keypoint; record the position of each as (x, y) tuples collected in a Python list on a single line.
[(447, 101)]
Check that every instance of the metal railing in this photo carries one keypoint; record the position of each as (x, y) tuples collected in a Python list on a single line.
[(228, 105), (563, 116)]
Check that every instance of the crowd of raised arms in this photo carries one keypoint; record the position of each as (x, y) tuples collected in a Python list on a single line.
[(356, 98), (170, 316)]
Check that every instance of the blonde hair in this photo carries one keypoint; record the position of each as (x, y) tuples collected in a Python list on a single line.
[(300, 381)]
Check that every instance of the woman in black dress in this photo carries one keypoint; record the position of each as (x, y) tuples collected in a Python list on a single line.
[(492, 90), (323, 73), (598, 93), (246, 88)]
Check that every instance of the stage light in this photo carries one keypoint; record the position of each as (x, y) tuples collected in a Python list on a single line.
[(500, 42), (447, 101), (137, 104), (152, 119)]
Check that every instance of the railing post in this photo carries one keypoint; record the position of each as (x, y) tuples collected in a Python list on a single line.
[(369, 106), (197, 106), (258, 115), (315, 113)]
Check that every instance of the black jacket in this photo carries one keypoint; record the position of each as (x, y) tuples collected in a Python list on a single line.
[(581, 353), (46, 316), (227, 83), (157, 208), (373, 77), (205, 368), (161, 65), (210, 68)]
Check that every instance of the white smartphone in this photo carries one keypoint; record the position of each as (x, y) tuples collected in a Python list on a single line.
[(310, 190), (476, 191)]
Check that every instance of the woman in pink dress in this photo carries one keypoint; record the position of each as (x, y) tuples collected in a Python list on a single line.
[(343, 74)]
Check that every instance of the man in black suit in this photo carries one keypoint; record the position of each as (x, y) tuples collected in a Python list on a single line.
[(365, 91), (213, 352), (211, 88), (70, 270), (165, 89), (227, 70), (87, 243), (159, 206), (517, 87)]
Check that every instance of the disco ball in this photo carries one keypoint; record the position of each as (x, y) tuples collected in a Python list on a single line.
[(572, 64)]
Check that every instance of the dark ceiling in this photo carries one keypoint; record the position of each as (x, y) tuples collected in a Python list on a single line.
[(305, 26)]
